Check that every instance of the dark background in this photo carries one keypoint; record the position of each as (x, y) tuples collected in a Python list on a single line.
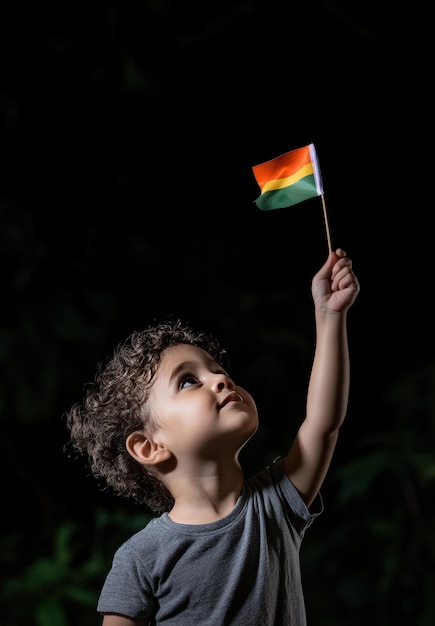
[(128, 135)]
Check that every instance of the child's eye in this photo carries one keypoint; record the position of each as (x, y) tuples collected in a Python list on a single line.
[(187, 380)]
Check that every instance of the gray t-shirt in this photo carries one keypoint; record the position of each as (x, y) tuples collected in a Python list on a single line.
[(242, 570)]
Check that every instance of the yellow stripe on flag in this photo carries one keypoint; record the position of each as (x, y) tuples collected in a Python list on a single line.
[(280, 183)]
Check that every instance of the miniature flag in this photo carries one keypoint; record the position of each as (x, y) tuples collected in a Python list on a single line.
[(288, 179)]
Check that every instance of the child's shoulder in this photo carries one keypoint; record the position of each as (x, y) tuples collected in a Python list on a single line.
[(273, 489), (143, 537)]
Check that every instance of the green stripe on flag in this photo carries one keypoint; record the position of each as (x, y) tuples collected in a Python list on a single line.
[(281, 198)]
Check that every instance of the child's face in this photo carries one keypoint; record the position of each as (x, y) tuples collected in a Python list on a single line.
[(200, 411)]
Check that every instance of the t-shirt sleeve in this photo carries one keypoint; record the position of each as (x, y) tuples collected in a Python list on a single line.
[(126, 590), (302, 516)]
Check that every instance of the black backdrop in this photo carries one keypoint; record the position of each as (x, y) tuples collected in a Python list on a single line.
[(128, 135)]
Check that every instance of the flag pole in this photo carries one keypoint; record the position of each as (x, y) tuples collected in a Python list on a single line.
[(325, 215)]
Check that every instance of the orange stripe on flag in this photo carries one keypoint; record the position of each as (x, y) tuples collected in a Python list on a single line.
[(284, 167)]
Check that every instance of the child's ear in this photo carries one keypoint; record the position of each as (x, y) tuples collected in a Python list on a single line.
[(145, 450)]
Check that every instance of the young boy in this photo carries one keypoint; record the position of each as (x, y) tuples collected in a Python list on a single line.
[(164, 423)]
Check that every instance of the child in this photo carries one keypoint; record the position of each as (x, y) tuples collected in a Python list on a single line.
[(163, 424)]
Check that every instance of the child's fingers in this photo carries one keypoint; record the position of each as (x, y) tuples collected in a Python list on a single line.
[(340, 253), (342, 275)]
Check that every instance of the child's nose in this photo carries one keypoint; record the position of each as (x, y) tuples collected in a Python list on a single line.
[(222, 381)]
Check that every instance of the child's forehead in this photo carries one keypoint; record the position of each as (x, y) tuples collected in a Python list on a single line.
[(185, 352), (182, 357)]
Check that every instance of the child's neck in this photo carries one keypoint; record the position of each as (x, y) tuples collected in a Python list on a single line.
[(201, 499)]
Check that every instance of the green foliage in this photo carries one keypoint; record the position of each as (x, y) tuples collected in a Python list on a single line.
[(375, 561), (61, 588)]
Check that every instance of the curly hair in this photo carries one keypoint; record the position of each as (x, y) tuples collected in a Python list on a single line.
[(115, 405)]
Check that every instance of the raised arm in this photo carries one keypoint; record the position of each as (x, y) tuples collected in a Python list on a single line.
[(334, 289)]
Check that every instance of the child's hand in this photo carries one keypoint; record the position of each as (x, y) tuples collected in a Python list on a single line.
[(335, 286)]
